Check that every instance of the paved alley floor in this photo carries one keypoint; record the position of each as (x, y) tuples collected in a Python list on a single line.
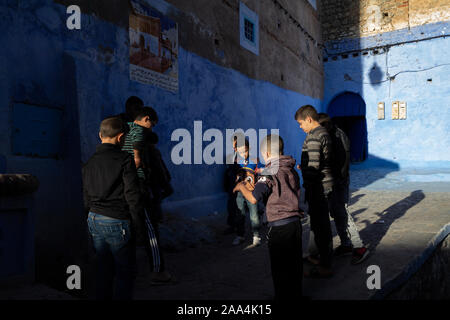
[(398, 213)]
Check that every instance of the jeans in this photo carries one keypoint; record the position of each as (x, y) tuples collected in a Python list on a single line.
[(116, 256), (240, 217), (345, 225)]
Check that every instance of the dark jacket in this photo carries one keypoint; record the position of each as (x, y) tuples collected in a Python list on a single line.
[(284, 183), (111, 186), (157, 175), (341, 156)]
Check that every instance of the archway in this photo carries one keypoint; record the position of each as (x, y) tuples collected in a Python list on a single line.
[(348, 112)]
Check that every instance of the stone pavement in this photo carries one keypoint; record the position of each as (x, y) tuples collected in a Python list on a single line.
[(396, 227), (398, 213)]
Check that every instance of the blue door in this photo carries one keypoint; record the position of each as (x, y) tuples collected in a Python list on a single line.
[(348, 112)]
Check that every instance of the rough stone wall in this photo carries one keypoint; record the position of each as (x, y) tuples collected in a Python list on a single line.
[(352, 19), (432, 281), (211, 30)]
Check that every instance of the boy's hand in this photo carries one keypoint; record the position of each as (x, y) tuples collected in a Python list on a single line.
[(137, 161), (298, 167), (249, 185), (238, 187)]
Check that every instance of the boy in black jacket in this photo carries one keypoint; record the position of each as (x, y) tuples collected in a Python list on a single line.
[(279, 188), (113, 199)]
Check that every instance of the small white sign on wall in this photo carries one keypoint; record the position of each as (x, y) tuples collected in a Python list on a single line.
[(381, 111), (395, 110), (402, 111)]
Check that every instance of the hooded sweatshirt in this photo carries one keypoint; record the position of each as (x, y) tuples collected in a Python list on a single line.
[(283, 185)]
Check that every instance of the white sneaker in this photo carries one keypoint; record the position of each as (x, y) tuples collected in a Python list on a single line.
[(238, 240), (256, 242)]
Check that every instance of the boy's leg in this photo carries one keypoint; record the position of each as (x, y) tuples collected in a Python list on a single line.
[(156, 211), (345, 225), (240, 215), (116, 246), (254, 218), (104, 275), (339, 212), (232, 210), (285, 249), (123, 252), (154, 222), (320, 225), (353, 231), (152, 247)]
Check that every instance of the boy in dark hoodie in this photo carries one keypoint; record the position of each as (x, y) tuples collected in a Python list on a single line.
[(279, 188)]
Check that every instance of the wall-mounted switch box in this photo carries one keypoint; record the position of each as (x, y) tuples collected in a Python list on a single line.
[(395, 110), (402, 111), (381, 111)]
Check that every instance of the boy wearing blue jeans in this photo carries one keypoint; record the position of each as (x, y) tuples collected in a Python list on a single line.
[(247, 170), (113, 199)]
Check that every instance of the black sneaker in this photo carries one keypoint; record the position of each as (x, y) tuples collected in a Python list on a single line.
[(359, 255), (343, 251)]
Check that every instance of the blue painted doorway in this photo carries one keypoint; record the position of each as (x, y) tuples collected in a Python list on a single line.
[(348, 112)]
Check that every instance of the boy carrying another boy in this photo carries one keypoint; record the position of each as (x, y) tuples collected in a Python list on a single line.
[(113, 199), (279, 188), (135, 143)]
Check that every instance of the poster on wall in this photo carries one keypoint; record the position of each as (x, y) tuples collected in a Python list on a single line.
[(153, 48)]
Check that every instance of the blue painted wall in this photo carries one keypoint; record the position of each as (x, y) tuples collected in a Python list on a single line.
[(85, 74), (424, 138)]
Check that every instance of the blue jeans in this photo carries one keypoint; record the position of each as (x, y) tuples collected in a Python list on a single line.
[(116, 256), (240, 219)]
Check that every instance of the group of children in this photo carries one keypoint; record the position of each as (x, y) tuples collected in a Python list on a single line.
[(126, 179), (124, 183), (325, 170)]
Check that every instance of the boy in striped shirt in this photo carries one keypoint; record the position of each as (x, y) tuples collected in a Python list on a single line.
[(318, 183)]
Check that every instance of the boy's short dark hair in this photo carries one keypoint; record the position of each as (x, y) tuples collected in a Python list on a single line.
[(111, 127), (267, 144), (133, 106), (325, 121), (151, 113), (323, 117), (240, 143), (307, 111), (146, 112)]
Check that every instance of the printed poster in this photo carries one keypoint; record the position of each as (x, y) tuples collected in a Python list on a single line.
[(153, 48)]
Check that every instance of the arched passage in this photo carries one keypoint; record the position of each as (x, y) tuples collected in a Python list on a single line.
[(348, 112)]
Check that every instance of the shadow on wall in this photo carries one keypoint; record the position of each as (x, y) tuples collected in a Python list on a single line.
[(375, 75)]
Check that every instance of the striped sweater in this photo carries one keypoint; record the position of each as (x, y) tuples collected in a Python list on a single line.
[(134, 140), (316, 159)]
